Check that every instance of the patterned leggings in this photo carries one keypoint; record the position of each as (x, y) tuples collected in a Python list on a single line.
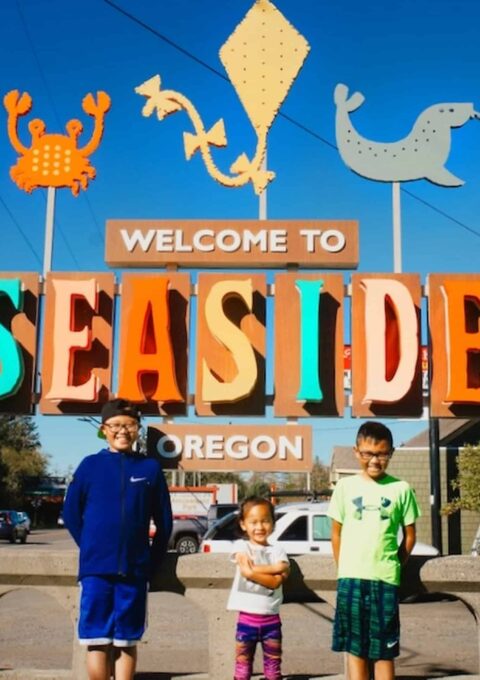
[(253, 628)]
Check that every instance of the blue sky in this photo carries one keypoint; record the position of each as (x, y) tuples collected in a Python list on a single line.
[(402, 56)]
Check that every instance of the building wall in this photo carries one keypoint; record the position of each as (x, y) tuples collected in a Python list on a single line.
[(458, 531)]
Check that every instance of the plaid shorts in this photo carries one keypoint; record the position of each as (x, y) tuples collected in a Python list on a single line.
[(367, 622)]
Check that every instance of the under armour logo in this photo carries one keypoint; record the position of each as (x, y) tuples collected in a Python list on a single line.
[(382, 508)]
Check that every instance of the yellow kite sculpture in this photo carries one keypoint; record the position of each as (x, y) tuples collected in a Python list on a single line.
[(262, 57)]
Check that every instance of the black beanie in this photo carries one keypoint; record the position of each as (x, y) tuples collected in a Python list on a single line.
[(120, 407)]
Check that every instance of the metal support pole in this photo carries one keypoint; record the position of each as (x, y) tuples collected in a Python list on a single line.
[(435, 485), (262, 199), (397, 228), (49, 222)]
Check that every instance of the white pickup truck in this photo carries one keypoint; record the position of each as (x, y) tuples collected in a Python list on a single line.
[(300, 528)]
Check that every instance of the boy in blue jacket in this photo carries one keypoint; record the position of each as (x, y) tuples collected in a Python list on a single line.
[(109, 503)]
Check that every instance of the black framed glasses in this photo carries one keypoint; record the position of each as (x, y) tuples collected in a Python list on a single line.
[(368, 455), (115, 428)]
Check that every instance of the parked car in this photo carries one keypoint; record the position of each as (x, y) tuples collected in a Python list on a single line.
[(12, 526), (25, 518), (300, 528), (187, 533), (218, 510)]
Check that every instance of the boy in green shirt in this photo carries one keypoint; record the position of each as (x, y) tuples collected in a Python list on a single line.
[(368, 510)]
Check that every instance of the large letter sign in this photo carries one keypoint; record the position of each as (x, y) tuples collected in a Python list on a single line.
[(11, 362), (77, 342), (454, 304), (230, 376), (383, 385), (310, 388), (230, 349), (386, 345), (146, 346), (232, 338)]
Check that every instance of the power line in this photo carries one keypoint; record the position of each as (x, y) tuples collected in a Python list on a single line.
[(23, 234), (291, 120), (441, 212), (54, 109), (170, 42)]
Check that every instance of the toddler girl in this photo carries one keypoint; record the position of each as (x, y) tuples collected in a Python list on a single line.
[(257, 590)]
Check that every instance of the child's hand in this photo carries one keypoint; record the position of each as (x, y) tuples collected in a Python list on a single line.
[(245, 564)]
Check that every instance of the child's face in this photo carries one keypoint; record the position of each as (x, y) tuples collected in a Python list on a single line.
[(258, 524), (121, 432), (373, 456)]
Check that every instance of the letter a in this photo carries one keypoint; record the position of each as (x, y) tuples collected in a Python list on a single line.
[(145, 345)]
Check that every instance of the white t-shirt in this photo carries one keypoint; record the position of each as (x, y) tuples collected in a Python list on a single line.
[(250, 597)]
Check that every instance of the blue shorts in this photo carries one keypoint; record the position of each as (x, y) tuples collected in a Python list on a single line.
[(112, 610)]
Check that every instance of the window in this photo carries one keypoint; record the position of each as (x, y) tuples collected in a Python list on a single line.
[(229, 531), (322, 528), (297, 531)]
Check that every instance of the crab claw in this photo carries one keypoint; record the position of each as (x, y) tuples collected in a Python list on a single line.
[(103, 101), (93, 108), (14, 103)]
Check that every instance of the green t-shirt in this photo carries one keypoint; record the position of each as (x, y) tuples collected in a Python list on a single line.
[(371, 513)]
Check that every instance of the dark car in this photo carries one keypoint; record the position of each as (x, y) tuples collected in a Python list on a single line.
[(218, 510), (187, 533), (12, 526)]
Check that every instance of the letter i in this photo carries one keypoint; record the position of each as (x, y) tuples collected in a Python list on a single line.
[(310, 389)]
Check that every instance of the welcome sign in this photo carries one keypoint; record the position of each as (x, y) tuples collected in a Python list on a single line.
[(161, 349), (326, 244)]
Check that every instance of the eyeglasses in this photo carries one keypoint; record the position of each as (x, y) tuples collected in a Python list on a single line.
[(116, 428), (368, 455)]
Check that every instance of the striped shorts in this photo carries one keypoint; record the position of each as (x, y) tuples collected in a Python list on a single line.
[(367, 622)]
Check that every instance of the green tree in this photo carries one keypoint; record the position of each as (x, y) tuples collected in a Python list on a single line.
[(467, 482), (19, 468), (259, 484), (20, 458), (320, 477), (19, 433)]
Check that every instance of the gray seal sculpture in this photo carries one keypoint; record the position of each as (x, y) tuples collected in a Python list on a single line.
[(422, 154)]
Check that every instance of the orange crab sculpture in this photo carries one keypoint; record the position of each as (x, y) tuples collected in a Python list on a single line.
[(54, 160)]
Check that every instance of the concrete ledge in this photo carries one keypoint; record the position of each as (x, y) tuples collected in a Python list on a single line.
[(205, 579)]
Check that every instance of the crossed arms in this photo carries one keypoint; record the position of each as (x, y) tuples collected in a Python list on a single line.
[(268, 575)]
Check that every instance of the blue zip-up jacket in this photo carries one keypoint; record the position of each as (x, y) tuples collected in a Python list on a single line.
[(108, 508)]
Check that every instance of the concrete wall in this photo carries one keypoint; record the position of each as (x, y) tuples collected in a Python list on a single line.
[(206, 580)]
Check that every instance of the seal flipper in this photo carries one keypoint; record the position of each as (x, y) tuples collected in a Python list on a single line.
[(444, 178)]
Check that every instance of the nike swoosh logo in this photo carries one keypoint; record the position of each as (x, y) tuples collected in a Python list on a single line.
[(137, 479), (392, 644)]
